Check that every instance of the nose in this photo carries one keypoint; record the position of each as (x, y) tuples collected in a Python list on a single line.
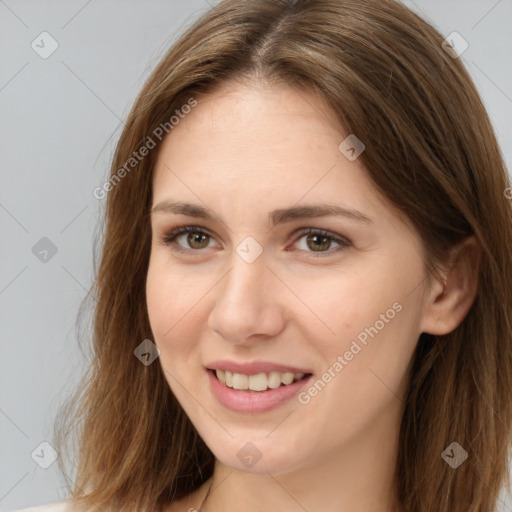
[(247, 305)]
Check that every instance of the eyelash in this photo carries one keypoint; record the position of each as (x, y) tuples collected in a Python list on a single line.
[(170, 236)]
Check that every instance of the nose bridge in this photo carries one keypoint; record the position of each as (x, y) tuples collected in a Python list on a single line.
[(244, 302), (243, 284)]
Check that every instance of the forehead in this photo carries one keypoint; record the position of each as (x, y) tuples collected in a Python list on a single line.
[(259, 110), (263, 148)]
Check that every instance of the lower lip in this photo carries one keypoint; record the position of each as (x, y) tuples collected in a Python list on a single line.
[(251, 401)]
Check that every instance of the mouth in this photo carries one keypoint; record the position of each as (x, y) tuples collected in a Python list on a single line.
[(260, 400), (259, 383)]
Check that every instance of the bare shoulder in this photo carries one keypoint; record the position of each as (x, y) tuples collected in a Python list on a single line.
[(56, 506)]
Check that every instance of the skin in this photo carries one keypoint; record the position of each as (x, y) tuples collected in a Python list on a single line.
[(242, 152)]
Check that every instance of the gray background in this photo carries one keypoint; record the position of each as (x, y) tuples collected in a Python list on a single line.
[(60, 120)]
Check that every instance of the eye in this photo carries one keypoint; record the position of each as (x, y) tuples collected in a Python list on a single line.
[(319, 240), (197, 238)]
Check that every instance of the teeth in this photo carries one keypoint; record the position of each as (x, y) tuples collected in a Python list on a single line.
[(240, 381), (287, 378), (274, 380), (257, 382), (260, 382), (221, 376)]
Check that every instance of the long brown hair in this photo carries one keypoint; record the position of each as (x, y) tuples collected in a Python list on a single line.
[(430, 149)]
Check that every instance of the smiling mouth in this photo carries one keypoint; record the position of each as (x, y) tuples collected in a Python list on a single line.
[(257, 383)]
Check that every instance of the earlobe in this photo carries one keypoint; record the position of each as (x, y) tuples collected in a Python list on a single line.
[(449, 301)]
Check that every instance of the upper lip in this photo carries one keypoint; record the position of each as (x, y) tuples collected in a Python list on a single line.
[(254, 367)]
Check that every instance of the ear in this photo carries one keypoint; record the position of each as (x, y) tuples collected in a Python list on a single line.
[(449, 302)]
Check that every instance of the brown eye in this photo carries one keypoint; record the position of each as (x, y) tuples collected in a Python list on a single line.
[(196, 240), (318, 242)]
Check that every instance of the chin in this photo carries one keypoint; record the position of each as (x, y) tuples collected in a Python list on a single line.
[(256, 455)]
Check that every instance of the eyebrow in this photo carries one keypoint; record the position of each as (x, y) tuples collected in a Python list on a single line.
[(306, 211)]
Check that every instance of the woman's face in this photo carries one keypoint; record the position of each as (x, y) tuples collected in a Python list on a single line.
[(255, 283)]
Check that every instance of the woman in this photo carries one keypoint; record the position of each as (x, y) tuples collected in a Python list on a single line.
[(303, 300)]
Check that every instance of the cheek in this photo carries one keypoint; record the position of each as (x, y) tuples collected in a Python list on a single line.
[(341, 304), (375, 320), (172, 329), (363, 375), (369, 317), (171, 296), (172, 300)]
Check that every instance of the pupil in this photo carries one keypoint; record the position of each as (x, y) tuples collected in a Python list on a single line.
[(196, 238), (320, 245)]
